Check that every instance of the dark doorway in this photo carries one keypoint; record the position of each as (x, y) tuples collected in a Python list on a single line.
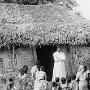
[(45, 56)]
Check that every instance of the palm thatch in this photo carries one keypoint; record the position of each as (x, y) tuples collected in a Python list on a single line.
[(41, 24)]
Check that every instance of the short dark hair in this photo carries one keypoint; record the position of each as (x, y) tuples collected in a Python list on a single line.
[(85, 68), (25, 69), (54, 84), (57, 79), (42, 68), (38, 63), (58, 46), (63, 80), (11, 79), (73, 77), (69, 80)]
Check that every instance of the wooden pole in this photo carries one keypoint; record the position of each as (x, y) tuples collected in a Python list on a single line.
[(34, 54), (13, 52), (71, 52)]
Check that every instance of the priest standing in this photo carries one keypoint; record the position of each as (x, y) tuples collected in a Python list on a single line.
[(59, 64)]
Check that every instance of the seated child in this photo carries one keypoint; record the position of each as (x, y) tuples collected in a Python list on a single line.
[(63, 84), (56, 84), (49, 85), (11, 85), (73, 82), (69, 85)]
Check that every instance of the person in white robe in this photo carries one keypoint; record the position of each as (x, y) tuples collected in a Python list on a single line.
[(82, 76), (59, 64)]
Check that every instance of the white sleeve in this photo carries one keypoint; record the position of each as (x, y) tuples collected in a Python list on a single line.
[(77, 76), (63, 56), (55, 57), (88, 71)]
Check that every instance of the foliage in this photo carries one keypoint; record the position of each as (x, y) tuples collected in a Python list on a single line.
[(42, 24), (69, 3), (25, 84)]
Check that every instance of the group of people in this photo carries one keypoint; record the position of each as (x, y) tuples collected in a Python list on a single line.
[(73, 82), (40, 77), (78, 81), (60, 81), (14, 82)]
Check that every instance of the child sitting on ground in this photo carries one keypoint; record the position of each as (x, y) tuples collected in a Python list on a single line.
[(11, 85), (56, 84), (73, 82), (63, 84), (69, 85)]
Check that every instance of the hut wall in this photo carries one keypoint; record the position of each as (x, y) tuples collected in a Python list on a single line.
[(5, 56), (67, 61), (24, 56), (80, 55)]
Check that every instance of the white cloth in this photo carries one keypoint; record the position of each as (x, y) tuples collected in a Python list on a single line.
[(22, 76), (34, 70), (82, 77), (63, 86), (40, 75), (40, 82), (59, 65), (73, 85)]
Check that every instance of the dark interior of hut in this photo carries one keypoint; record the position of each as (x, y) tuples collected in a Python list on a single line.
[(45, 56)]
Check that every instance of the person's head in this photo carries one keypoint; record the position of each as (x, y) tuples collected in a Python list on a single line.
[(38, 67), (63, 80), (11, 79), (57, 79), (38, 63), (81, 68), (54, 84), (85, 68), (25, 69), (73, 77), (58, 48), (21, 71), (68, 80), (42, 68)]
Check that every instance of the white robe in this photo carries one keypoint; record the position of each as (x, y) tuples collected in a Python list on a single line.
[(34, 70), (83, 82), (59, 65)]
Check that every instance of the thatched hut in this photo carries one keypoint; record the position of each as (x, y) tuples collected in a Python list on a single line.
[(30, 33)]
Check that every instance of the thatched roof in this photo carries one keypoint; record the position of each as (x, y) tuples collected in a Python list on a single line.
[(41, 24)]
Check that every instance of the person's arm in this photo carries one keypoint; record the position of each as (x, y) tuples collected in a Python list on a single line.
[(45, 76), (77, 81), (77, 76), (63, 57), (55, 57)]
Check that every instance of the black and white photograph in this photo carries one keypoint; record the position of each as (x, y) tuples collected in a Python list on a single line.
[(44, 44)]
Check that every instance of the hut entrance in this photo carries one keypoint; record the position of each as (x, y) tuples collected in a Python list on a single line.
[(45, 56)]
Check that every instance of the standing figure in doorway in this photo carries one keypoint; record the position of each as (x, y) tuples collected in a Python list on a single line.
[(59, 64)]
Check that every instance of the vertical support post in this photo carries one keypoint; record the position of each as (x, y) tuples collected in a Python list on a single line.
[(13, 52), (34, 54), (71, 48)]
